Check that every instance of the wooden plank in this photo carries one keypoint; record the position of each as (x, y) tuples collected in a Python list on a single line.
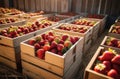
[(42, 5), (41, 72), (89, 7), (58, 5), (47, 5), (8, 62), (38, 5), (32, 5), (83, 6), (27, 5), (96, 6), (102, 7), (21, 5), (6, 3), (64, 6), (15, 3)]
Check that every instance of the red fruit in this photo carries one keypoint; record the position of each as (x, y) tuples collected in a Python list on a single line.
[(4, 31), (31, 42), (76, 39), (114, 42), (19, 31), (54, 51), (60, 53), (37, 46), (46, 47), (100, 68), (50, 38), (41, 53), (60, 47), (106, 56), (61, 42), (72, 40), (116, 67), (67, 44), (26, 30), (43, 36), (108, 65), (38, 38), (51, 34), (116, 59), (53, 44), (42, 43), (113, 73), (5, 34), (64, 37)]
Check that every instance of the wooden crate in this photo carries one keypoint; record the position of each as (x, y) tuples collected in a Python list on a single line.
[(8, 62), (53, 58), (48, 66), (103, 43), (113, 34), (94, 36), (89, 72), (21, 22), (87, 45), (10, 52), (102, 24), (36, 72), (87, 35)]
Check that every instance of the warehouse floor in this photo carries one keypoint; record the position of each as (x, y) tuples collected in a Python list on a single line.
[(7, 73)]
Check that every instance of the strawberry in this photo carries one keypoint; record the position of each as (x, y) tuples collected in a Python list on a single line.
[(53, 44), (100, 68), (108, 65), (51, 34), (31, 42), (46, 47), (54, 50), (116, 67), (106, 56), (113, 73), (50, 38), (37, 46), (60, 53), (60, 47), (76, 39), (41, 53), (64, 37), (67, 44), (72, 40), (116, 59)]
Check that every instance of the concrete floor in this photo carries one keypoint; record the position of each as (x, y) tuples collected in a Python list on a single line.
[(6, 72)]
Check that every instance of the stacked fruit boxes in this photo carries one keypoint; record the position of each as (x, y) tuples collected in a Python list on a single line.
[(6, 22), (11, 37), (103, 19), (80, 30), (111, 42), (102, 66), (53, 63), (114, 31)]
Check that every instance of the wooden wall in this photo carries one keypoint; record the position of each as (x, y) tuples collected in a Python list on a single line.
[(110, 7)]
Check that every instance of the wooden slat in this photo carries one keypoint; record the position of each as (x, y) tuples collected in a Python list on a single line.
[(32, 5), (21, 5), (27, 8), (38, 5), (59, 5), (15, 3), (83, 6), (6, 3), (89, 7)]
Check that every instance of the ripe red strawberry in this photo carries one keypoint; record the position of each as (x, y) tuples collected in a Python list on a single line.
[(64, 37), (113, 73), (46, 47), (60, 53), (31, 42), (43, 36), (72, 40), (50, 38), (61, 42), (76, 39), (60, 47), (100, 68), (106, 56), (53, 44), (108, 65), (41, 53), (54, 50), (116, 59), (37, 46), (51, 34), (116, 67)]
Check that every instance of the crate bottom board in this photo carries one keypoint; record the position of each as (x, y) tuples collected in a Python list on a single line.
[(40, 73), (50, 67), (8, 62)]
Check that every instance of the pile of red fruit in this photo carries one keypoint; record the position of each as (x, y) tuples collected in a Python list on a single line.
[(15, 31), (109, 64), (84, 22), (110, 41), (116, 29), (95, 16), (53, 42), (73, 28), (8, 20), (55, 18)]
